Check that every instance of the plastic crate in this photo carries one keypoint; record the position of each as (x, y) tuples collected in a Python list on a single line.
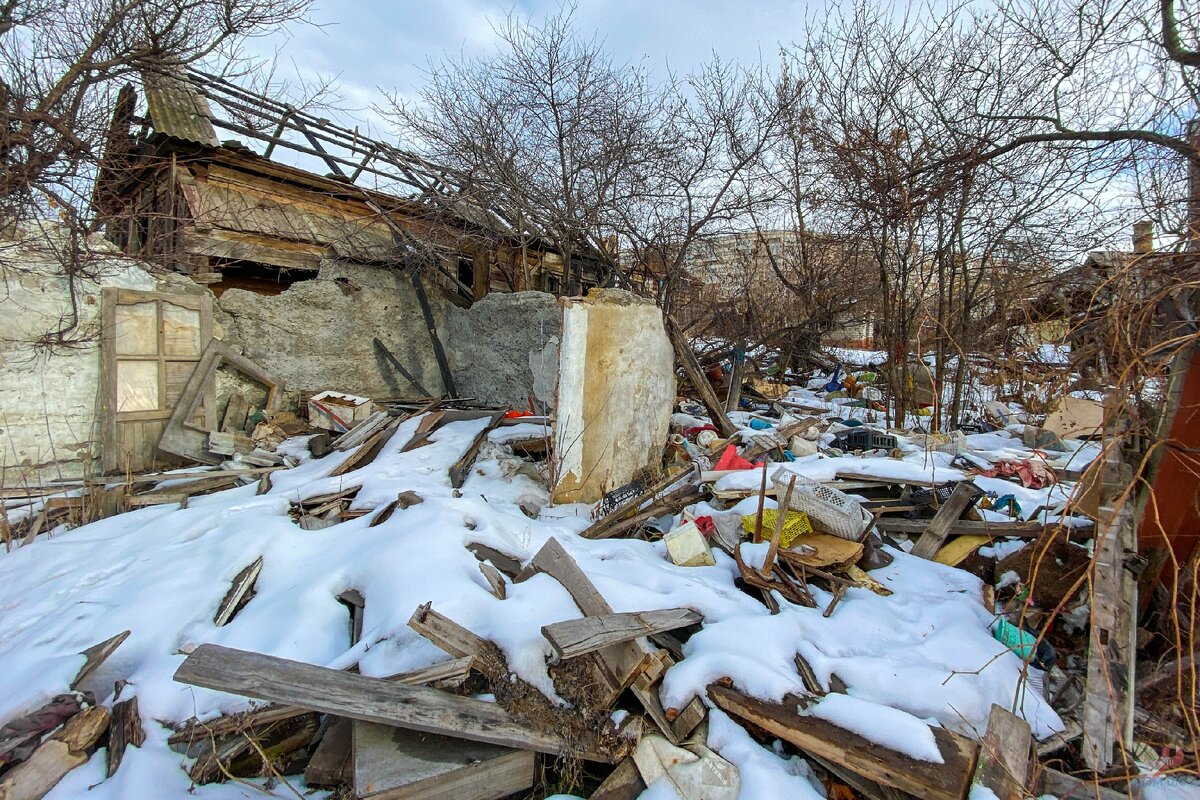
[(795, 524), (828, 510), (865, 439)]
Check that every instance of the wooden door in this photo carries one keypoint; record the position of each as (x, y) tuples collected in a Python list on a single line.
[(150, 343)]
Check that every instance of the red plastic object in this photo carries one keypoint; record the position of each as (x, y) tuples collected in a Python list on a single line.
[(706, 526), (731, 460)]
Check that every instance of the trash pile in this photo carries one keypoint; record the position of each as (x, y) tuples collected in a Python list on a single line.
[(796, 603)]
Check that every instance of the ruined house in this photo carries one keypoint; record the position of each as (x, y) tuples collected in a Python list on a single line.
[(377, 276)]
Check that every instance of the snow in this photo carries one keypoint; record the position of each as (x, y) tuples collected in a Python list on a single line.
[(890, 727), (923, 654)]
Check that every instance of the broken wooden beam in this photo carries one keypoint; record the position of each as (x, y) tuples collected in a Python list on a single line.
[(966, 527), (96, 655), (939, 527), (1006, 756), (574, 637), (949, 780), (371, 699), (239, 592), (55, 757), (126, 730), (695, 376)]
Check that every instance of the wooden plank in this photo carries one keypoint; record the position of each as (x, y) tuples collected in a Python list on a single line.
[(125, 730), (947, 781), (235, 414), (369, 699), (695, 376), (574, 637), (1066, 787), (368, 450), (361, 432), (96, 655), (443, 675), (461, 468), (332, 761), (939, 527), (55, 757), (686, 721), (623, 783), (495, 580), (618, 665), (966, 527), (396, 764), (646, 692), (1006, 756), (625, 660), (1107, 716), (382, 349), (243, 584), (447, 634)]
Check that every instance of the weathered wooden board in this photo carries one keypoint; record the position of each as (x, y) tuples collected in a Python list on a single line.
[(574, 637), (947, 781), (368, 699), (332, 762), (398, 764), (939, 527), (1006, 757)]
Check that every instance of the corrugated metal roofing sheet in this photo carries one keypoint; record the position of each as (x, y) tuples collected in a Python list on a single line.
[(178, 110)]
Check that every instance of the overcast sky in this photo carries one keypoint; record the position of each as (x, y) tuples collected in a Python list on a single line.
[(371, 44)]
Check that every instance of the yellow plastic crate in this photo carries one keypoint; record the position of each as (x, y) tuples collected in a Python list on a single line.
[(795, 524)]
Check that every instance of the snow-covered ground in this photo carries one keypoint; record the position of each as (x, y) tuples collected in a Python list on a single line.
[(923, 656)]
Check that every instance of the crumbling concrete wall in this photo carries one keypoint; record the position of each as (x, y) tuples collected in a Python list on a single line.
[(318, 333), (616, 387), (504, 349), (48, 426)]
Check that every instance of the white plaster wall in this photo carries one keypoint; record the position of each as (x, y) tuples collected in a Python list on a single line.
[(616, 387), (48, 394)]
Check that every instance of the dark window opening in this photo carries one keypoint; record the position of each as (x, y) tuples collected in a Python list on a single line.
[(255, 277), (466, 273)]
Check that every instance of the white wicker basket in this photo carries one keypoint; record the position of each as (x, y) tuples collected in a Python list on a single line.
[(829, 510)]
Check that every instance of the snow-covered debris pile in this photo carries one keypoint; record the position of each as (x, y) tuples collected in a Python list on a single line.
[(428, 555)]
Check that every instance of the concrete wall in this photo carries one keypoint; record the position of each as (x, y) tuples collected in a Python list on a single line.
[(318, 335), (48, 423), (505, 348), (315, 335), (616, 387)]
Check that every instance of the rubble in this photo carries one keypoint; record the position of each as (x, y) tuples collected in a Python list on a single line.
[(720, 619)]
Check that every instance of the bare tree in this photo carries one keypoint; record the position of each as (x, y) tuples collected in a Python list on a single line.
[(62, 64), (545, 133)]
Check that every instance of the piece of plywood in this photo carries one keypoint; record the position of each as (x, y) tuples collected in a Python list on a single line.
[(398, 764), (949, 780), (574, 637), (1075, 418), (369, 699)]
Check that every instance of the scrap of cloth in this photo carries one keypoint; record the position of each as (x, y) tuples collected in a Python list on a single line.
[(1033, 474)]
